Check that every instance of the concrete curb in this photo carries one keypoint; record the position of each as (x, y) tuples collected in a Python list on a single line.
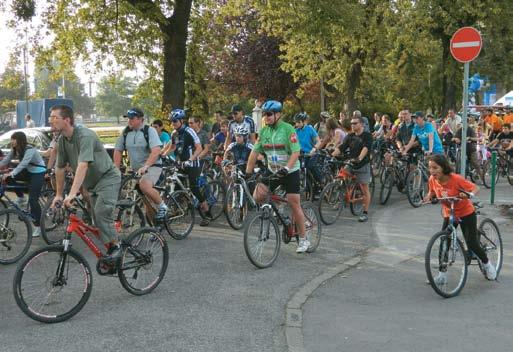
[(293, 309)]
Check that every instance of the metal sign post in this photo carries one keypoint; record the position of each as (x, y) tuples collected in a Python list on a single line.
[(464, 126), (466, 43)]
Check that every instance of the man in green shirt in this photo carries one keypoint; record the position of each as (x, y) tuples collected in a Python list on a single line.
[(94, 170), (278, 140)]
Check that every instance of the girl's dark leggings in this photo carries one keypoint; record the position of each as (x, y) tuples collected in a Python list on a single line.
[(35, 183), (468, 225)]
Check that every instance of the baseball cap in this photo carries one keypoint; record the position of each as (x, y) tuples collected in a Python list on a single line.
[(134, 112), (418, 114)]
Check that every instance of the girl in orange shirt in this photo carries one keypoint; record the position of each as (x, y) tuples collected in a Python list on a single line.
[(444, 183)]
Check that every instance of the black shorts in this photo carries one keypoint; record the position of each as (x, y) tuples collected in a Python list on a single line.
[(289, 183)]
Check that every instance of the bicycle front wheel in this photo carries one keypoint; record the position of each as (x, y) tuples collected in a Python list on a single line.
[(144, 261), (331, 202), (262, 239), (53, 223), (51, 286), (15, 236), (415, 188), (446, 264), (312, 225), (386, 186), (491, 242), (356, 202)]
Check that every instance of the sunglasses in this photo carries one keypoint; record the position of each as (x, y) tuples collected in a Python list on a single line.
[(269, 113)]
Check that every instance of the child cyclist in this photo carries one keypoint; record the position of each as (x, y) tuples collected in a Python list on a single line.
[(240, 149), (445, 183)]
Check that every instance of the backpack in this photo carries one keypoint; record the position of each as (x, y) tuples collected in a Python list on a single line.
[(127, 130)]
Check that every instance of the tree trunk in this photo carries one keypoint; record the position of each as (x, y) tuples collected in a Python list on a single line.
[(353, 77), (175, 54), (449, 69)]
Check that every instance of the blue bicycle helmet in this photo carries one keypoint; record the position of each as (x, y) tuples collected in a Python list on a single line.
[(302, 116), (176, 115), (272, 106)]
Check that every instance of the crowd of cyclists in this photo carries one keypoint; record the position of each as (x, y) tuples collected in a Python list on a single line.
[(304, 157)]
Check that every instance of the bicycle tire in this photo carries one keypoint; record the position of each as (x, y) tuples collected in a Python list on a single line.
[(180, 211), (312, 225), (356, 207), (23, 273), (492, 244), (213, 192), (386, 187), (376, 162), (235, 215), (14, 235), (486, 177), (415, 196), (438, 249), (331, 202), (263, 220), (129, 219), (137, 259)]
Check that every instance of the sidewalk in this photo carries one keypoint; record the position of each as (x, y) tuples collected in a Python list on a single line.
[(383, 303)]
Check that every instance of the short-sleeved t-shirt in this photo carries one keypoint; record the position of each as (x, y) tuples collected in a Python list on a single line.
[(353, 145), (452, 188), (203, 137), (219, 138), (422, 133), (185, 140), (165, 138), (494, 121), (307, 137), (278, 143), (84, 146), (471, 146), (246, 122), (137, 147)]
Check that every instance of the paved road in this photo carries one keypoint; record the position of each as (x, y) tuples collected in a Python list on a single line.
[(212, 299), (383, 304)]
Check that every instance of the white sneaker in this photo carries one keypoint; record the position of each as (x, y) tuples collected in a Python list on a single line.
[(36, 232), (441, 278), (490, 272), (303, 246)]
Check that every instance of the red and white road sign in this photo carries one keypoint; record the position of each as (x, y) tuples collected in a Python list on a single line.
[(466, 43)]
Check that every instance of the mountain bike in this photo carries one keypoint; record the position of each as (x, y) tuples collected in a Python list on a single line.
[(238, 198), (54, 283), (447, 252), (343, 191), (262, 235), (417, 182), (394, 174)]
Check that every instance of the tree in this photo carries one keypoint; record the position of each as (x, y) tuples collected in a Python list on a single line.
[(124, 32), (12, 85), (113, 98)]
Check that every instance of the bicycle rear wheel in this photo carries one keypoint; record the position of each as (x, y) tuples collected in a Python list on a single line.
[(312, 225), (449, 259), (15, 236), (144, 262), (331, 202), (180, 215), (49, 288), (356, 203), (235, 211), (262, 239), (491, 241)]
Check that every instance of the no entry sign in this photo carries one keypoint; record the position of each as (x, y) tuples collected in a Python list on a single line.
[(466, 44)]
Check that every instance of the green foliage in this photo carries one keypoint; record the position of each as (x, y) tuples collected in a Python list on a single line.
[(113, 98), (12, 86)]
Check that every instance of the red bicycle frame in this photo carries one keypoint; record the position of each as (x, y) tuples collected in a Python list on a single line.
[(77, 225)]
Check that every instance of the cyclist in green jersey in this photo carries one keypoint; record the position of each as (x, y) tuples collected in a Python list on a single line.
[(278, 140)]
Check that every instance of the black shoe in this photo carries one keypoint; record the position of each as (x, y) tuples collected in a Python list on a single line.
[(208, 215), (204, 222), (113, 254)]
